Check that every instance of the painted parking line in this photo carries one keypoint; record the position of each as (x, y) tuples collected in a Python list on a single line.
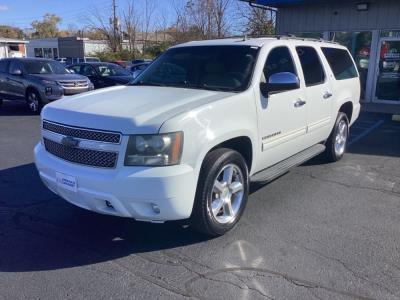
[(365, 132)]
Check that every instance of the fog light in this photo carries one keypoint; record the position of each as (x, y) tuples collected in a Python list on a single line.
[(155, 208)]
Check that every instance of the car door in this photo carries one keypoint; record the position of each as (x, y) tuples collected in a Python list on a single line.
[(282, 115), (3, 78), (15, 80), (90, 72), (318, 94)]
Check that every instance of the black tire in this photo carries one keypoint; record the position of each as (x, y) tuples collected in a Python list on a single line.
[(35, 108), (331, 153), (203, 219)]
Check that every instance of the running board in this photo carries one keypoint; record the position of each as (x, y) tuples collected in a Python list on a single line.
[(291, 162)]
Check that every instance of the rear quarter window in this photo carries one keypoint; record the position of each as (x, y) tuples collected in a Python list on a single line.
[(340, 62)]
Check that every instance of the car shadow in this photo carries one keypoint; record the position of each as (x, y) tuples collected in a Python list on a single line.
[(40, 231), (14, 108)]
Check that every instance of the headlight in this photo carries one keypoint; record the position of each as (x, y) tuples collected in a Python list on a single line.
[(154, 150), (49, 82)]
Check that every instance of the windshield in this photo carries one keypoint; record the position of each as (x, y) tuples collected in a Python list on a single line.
[(111, 70), (219, 68), (43, 67)]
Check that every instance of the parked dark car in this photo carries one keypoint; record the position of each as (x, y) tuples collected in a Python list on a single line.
[(38, 81), (137, 69), (103, 74), (123, 63), (140, 60)]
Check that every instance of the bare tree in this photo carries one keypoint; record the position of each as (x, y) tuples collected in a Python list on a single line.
[(149, 8), (220, 16), (98, 20), (254, 20), (131, 24)]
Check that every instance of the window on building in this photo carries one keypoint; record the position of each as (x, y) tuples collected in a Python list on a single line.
[(38, 52), (279, 60), (312, 68), (13, 47), (47, 53), (340, 62)]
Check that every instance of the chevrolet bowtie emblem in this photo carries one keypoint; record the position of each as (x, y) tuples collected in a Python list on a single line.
[(69, 141)]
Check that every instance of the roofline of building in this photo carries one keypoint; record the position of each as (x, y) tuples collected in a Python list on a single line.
[(280, 3), (14, 41)]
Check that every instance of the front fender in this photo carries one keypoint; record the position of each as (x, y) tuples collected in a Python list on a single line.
[(212, 124)]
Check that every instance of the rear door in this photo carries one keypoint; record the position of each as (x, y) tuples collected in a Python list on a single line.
[(3, 77), (282, 122), (318, 93), (15, 83)]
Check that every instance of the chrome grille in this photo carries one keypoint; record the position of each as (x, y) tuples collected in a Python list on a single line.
[(93, 135), (82, 156), (73, 83)]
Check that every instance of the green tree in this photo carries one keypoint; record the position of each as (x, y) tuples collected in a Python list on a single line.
[(11, 32), (47, 27)]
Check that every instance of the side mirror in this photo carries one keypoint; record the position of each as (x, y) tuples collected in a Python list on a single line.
[(16, 72), (280, 82)]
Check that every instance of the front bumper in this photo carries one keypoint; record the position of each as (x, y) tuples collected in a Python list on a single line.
[(125, 191)]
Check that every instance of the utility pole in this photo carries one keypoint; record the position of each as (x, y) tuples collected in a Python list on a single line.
[(115, 28)]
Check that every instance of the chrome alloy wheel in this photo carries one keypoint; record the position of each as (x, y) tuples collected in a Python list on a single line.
[(33, 102), (227, 194), (341, 138)]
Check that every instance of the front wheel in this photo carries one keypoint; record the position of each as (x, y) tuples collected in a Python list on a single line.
[(222, 192), (337, 142), (34, 102)]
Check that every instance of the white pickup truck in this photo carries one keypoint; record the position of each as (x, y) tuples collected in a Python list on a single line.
[(184, 140)]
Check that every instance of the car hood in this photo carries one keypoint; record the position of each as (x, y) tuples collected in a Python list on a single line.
[(128, 109), (57, 77)]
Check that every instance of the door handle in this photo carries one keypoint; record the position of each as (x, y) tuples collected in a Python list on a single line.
[(327, 95), (299, 103)]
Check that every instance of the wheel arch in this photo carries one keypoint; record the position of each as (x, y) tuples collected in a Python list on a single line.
[(347, 108)]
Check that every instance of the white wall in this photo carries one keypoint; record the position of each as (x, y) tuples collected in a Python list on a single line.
[(91, 47), (3, 53)]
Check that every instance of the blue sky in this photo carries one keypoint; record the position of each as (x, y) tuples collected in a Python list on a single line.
[(22, 12)]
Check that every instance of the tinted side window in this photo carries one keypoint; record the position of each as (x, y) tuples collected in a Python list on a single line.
[(279, 60), (88, 70), (76, 69), (340, 62), (14, 65), (312, 68), (3, 66)]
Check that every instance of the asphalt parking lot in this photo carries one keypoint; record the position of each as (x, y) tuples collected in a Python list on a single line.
[(323, 231)]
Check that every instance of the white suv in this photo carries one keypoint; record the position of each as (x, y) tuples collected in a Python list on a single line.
[(184, 140)]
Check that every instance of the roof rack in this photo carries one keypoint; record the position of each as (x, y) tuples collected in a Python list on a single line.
[(279, 37)]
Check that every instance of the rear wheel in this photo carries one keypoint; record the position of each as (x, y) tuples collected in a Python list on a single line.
[(337, 142), (221, 193), (34, 101)]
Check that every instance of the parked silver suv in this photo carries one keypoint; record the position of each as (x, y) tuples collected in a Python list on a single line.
[(38, 81)]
